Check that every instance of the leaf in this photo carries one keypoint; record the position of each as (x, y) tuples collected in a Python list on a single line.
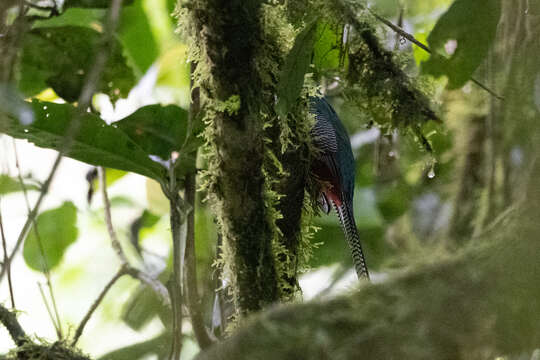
[(143, 305), (9, 185), (158, 130), (91, 3), (135, 30), (295, 68), (57, 229), (60, 57), (327, 48), (470, 25), (12, 104), (147, 220), (96, 142), (91, 18)]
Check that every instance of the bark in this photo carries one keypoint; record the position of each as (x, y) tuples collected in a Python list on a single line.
[(229, 34)]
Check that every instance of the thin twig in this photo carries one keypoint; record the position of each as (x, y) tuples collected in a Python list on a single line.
[(178, 229), (424, 47), (7, 264), (153, 283), (108, 218), (84, 101), (121, 272), (9, 320), (47, 273), (46, 303)]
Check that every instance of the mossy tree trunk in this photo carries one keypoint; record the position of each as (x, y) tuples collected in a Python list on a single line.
[(229, 36)]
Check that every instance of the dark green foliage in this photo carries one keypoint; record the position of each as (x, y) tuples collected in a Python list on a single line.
[(158, 130), (61, 57), (95, 143), (291, 79), (328, 52), (384, 90), (55, 230), (136, 37), (470, 23)]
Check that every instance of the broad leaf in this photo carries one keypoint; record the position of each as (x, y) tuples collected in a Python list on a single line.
[(296, 65), (158, 130), (134, 31), (9, 185), (327, 50), (92, 18), (96, 142), (60, 57), (57, 229), (467, 30), (143, 305)]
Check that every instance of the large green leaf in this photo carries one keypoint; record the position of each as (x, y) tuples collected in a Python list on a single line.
[(9, 185), (470, 25), (158, 130), (92, 18), (57, 229), (96, 142), (327, 50), (136, 36), (61, 56), (291, 79), (143, 305)]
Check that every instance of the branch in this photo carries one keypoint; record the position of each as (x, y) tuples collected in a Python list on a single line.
[(481, 304), (9, 320), (424, 47), (121, 272), (108, 218), (178, 229), (7, 263), (152, 282), (193, 300)]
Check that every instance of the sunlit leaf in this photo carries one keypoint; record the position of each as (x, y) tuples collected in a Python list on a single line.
[(291, 79), (9, 185), (57, 229), (61, 57), (95, 143), (92, 18), (464, 33), (327, 48), (420, 55), (134, 31)]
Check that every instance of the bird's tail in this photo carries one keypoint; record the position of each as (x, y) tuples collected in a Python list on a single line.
[(346, 218)]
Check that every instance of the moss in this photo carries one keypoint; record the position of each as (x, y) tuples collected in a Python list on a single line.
[(44, 351)]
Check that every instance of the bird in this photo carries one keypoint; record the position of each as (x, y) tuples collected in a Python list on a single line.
[(333, 168)]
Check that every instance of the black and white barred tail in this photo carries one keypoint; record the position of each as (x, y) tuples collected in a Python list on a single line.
[(346, 219)]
